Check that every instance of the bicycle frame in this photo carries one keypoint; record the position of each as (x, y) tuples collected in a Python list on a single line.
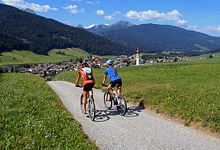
[(91, 105), (121, 105), (115, 97)]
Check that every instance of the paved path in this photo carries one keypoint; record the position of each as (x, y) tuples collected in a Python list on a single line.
[(137, 130)]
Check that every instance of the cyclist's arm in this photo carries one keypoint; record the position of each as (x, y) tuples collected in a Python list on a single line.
[(104, 79), (77, 80)]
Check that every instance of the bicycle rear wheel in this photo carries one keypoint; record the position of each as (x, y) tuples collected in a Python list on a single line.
[(91, 109), (122, 105), (107, 100), (81, 103)]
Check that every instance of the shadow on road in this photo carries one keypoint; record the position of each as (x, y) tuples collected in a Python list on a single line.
[(133, 111), (104, 115), (101, 116)]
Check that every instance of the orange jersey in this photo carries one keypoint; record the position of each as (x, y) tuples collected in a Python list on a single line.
[(87, 75)]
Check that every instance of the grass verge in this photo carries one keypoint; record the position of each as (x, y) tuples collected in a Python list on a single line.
[(33, 117)]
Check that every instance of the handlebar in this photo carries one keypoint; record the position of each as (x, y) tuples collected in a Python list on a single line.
[(80, 86), (104, 85)]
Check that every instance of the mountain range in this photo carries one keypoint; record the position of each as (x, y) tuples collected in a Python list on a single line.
[(98, 29), (156, 38), (23, 30)]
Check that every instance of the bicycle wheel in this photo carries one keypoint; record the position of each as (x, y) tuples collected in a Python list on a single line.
[(122, 105), (107, 100), (81, 103), (91, 109)]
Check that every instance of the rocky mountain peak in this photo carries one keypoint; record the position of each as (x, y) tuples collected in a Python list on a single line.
[(29, 11), (123, 23)]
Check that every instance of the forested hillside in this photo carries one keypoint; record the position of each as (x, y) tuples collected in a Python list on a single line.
[(8, 42), (158, 38), (26, 31)]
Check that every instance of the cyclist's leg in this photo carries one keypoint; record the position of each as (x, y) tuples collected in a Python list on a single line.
[(90, 86), (111, 85), (85, 93), (91, 93), (110, 90), (119, 86), (119, 91), (86, 88)]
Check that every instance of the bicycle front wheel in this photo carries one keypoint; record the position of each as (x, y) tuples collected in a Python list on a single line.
[(91, 109), (107, 100), (122, 105)]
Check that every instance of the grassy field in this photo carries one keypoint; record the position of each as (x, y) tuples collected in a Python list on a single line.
[(33, 117), (204, 56), (186, 90), (28, 57), (75, 52)]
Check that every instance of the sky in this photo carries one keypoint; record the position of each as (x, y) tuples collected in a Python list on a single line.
[(198, 15)]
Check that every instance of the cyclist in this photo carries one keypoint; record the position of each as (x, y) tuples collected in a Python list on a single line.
[(88, 82), (115, 79)]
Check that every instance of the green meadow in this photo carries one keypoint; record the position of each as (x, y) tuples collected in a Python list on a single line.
[(187, 90), (25, 57), (28, 57), (33, 117)]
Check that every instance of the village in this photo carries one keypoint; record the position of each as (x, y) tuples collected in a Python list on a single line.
[(48, 70)]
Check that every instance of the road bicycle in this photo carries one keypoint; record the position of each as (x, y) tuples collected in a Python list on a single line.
[(118, 100), (90, 105)]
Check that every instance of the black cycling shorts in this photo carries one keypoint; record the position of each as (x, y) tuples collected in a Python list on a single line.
[(116, 82), (88, 86)]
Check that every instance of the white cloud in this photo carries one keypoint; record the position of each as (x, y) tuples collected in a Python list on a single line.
[(70, 7), (89, 2), (132, 15), (181, 22), (117, 13), (33, 6), (110, 17), (74, 9), (212, 30), (147, 15), (66, 22), (92, 3), (100, 12)]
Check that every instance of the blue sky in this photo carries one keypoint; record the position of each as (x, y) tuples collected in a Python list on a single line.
[(198, 15)]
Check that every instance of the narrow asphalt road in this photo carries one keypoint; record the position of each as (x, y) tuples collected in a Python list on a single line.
[(137, 130)]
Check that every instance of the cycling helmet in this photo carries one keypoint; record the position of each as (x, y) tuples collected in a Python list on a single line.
[(84, 64), (110, 62)]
